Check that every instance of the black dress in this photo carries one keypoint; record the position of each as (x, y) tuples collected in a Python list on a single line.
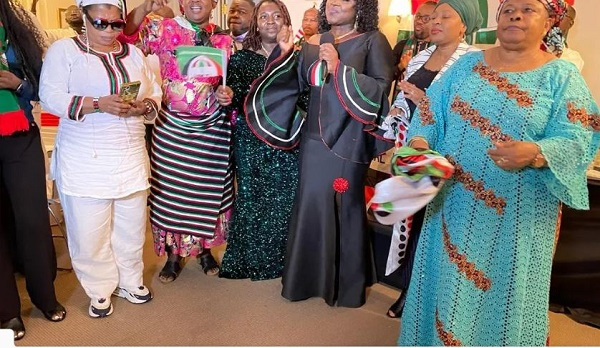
[(329, 251)]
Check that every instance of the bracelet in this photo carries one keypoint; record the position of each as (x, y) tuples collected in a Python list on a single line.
[(19, 88), (96, 104), (410, 143), (149, 109), (539, 160)]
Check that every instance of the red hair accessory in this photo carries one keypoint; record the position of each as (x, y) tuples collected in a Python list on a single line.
[(340, 185)]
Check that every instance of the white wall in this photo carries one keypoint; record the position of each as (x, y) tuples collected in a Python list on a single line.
[(584, 39)]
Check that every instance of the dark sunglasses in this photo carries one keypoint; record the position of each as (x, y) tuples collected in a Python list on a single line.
[(102, 24)]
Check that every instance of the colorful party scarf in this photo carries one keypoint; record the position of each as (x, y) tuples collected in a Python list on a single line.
[(12, 117), (418, 177)]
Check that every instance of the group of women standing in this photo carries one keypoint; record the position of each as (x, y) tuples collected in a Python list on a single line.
[(519, 132)]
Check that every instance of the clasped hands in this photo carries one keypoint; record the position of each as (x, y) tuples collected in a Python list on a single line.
[(508, 155), (113, 104), (513, 155)]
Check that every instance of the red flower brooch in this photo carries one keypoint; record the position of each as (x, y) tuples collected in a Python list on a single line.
[(340, 185)]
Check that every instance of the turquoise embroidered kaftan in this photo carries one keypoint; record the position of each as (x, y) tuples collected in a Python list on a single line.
[(483, 263)]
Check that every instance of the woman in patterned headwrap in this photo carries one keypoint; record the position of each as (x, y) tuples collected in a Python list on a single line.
[(520, 127)]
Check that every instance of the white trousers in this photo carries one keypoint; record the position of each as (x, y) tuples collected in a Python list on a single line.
[(106, 238)]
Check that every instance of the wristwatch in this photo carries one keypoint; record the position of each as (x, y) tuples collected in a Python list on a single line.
[(96, 103), (149, 112)]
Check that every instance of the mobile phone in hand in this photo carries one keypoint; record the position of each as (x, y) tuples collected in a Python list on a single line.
[(129, 91)]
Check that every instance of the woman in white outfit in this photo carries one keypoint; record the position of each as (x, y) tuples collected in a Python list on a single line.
[(100, 163)]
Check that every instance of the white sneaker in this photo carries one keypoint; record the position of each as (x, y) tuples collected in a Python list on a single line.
[(100, 308), (137, 295)]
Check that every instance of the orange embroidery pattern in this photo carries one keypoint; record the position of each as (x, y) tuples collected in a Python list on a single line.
[(558, 223), (477, 187), (446, 337), (466, 267), (512, 90), (473, 116), (587, 120), (426, 114)]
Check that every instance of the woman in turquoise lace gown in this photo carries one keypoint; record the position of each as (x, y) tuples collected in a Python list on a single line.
[(266, 177), (520, 128)]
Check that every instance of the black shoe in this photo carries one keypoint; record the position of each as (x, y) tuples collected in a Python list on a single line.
[(208, 264), (57, 314), (396, 309), (15, 324), (170, 271)]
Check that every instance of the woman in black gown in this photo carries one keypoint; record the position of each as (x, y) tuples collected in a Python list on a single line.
[(329, 252), (266, 177)]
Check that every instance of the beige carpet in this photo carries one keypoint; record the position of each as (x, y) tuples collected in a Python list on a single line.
[(198, 310)]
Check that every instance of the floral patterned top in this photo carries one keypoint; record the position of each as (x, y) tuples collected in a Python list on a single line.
[(182, 94)]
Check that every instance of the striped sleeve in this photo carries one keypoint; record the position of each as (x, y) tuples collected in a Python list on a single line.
[(364, 95), (271, 105)]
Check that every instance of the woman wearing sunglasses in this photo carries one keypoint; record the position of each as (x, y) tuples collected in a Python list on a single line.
[(192, 181), (100, 163)]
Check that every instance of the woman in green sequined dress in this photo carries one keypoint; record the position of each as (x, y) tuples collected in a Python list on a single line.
[(266, 177)]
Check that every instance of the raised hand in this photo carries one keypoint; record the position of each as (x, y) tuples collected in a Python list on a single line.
[(406, 57), (285, 39), (155, 5), (411, 92)]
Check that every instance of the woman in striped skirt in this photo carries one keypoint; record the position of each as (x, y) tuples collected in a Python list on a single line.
[(191, 193)]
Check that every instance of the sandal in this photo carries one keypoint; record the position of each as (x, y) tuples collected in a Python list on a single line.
[(169, 272), (396, 309), (57, 314), (208, 263), (15, 324)]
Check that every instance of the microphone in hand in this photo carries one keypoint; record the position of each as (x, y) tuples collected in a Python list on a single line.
[(326, 37)]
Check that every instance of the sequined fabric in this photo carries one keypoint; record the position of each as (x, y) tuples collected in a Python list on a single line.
[(482, 268), (266, 186)]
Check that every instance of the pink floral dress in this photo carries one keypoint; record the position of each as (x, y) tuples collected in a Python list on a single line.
[(192, 183)]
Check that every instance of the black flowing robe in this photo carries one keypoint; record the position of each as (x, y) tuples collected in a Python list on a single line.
[(329, 250)]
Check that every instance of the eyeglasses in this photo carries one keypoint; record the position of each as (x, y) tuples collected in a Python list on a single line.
[(425, 19), (101, 23)]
